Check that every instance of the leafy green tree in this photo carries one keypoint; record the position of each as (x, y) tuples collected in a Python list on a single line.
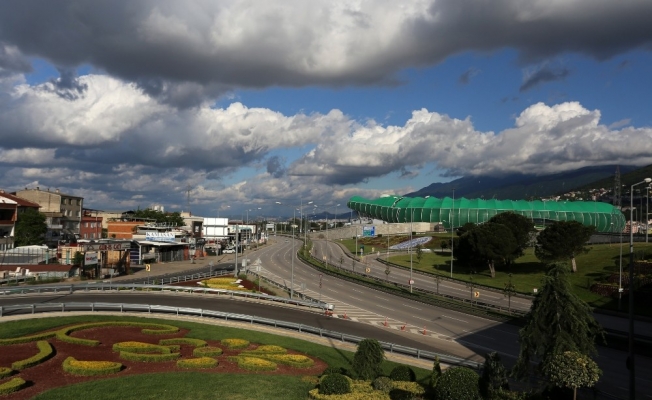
[(558, 321), (458, 383), (572, 370), (563, 240), (436, 373), (368, 359), (444, 244), (419, 251), (30, 228), (486, 244), (469, 226), (172, 219), (494, 377), (78, 259), (521, 227), (509, 291)]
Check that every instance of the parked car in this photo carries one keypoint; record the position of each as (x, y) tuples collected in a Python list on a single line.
[(228, 251)]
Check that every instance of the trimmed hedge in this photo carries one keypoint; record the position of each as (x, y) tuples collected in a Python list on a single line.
[(12, 385), (383, 384), (334, 384), (253, 363), (207, 351), (235, 343), (130, 356), (458, 383), (5, 372), (141, 347), (63, 334), (293, 360), (181, 341), (200, 362), (267, 349), (90, 368), (45, 351), (402, 373)]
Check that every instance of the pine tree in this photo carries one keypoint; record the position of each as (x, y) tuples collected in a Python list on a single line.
[(558, 321)]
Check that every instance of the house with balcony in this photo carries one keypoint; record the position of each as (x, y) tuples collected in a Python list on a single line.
[(10, 209), (63, 212)]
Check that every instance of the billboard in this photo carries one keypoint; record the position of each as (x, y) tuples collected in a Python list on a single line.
[(368, 231), (90, 258), (159, 236)]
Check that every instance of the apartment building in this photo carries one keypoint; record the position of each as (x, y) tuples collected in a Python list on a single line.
[(62, 211)]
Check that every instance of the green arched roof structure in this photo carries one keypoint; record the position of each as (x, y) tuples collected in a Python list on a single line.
[(449, 212)]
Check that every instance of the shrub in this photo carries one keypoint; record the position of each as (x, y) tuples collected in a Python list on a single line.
[(401, 394), (267, 349), (186, 341), (254, 363), (127, 355), (402, 373), (413, 387), (12, 385), (494, 376), (383, 383), (200, 362), (90, 368), (27, 339), (207, 351), (334, 370), (458, 383), (435, 375), (334, 384), (141, 347), (5, 372), (235, 343), (368, 359), (45, 351), (293, 360)]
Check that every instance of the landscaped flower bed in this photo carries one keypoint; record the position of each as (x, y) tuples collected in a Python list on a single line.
[(90, 368), (141, 347), (5, 372), (12, 385), (293, 360), (223, 283), (363, 390), (200, 362), (254, 363), (45, 351), (208, 351), (129, 342), (235, 343)]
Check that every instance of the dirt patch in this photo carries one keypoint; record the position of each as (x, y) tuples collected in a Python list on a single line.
[(50, 374)]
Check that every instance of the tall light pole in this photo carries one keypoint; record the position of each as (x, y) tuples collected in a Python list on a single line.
[(632, 372), (647, 211), (294, 217), (410, 247), (452, 231)]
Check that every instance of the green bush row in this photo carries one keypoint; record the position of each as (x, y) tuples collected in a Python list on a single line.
[(254, 363), (90, 368), (200, 362), (130, 356), (27, 339), (207, 351), (266, 349), (12, 386), (5, 372), (186, 341), (235, 343), (45, 351)]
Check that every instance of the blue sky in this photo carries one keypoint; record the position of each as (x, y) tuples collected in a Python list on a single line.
[(129, 104)]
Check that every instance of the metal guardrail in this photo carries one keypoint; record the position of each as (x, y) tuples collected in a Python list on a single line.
[(126, 307), (310, 303)]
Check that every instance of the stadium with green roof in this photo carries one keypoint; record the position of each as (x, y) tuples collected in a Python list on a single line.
[(455, 213)]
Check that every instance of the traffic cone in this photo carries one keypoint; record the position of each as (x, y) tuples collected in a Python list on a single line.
[(345, 317), (385, 321), (424, 329), (403, 327)]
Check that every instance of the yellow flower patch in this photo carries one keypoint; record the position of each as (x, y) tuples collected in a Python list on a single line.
[(235, 343), (255, 364), (293, 360), (269, 348), (197, 363), (90, 368)]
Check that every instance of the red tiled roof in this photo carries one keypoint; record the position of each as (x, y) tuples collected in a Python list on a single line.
[(21, 202)]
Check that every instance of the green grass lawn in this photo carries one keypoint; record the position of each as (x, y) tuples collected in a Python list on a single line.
[(593, 267), (195, 385)]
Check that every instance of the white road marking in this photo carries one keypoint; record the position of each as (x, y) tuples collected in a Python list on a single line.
[(456, 319)]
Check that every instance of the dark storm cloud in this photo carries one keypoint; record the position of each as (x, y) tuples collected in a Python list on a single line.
[(214, 44), (68, 86), (543, 75), (276, 166), (12, 61)]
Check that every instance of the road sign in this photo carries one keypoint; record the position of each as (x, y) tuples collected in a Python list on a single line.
[(476, 294), (148, 267), (367, 270), (535, 290), (411, 281)]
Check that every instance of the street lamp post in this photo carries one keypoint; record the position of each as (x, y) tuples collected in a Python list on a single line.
[(632, 373), (647, 211), (452, 231)]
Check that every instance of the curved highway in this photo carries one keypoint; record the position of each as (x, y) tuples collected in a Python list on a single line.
[(385, 317)]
